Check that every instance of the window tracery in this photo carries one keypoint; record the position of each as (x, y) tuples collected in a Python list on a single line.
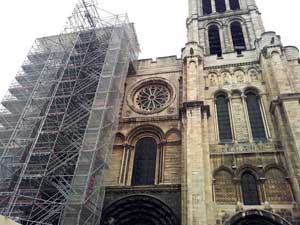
[(152, 97)]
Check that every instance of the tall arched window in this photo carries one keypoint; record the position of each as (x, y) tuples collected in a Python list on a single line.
[(214, 40), (237, 37), (249, 189), (255, 116), (234, 4), (206, 4), (144, 162), (220, 6), (225, 134)]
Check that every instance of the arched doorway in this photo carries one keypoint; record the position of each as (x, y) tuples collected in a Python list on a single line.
[(256, 217), (138, 210)]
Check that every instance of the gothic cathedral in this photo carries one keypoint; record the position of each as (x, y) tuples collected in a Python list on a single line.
[(213, 137)]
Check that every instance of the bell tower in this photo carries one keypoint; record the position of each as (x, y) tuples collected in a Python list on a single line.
[(224, 26), (240, 129)]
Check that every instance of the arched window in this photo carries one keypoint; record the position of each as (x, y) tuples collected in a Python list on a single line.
[(206, 4), (214, 40), (144, 162), (249, 189), (237, 37), (234, 4), (225, 134), (224, 188), (278, 190), (255, 116), (220, 6)]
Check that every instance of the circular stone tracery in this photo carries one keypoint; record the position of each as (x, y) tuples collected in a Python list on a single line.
[(151, 98)]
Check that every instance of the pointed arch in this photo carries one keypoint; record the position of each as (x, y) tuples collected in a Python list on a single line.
[(237, 35), (215, 47)]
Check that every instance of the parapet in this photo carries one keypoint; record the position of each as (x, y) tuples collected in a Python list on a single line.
[(161, 64)]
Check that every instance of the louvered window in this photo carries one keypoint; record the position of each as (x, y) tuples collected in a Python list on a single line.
[(255, 117), (249, 189), (144, 162), (225, 134), (214, 40)]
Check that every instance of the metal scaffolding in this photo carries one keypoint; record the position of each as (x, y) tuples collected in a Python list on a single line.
[(59, 118)]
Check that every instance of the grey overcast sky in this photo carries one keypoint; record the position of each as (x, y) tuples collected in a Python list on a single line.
[(160, 25)]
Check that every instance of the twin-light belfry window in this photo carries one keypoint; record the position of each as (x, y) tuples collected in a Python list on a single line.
[(254, 114), (214, 33), (237, 37), (220, 6)]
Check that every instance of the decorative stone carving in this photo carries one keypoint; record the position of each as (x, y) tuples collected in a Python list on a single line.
[(240, 76), (245, 148), (213, 79), (233, 77), (227, 79), (253, 74)]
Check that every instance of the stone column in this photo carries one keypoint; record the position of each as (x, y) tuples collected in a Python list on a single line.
[(125, 164), (194, 171), (196, 175), (161, 161)]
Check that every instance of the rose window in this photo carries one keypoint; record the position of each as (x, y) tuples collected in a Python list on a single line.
[(152, 97)]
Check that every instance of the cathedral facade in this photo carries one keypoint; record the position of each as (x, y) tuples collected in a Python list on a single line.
[(212, 137)]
